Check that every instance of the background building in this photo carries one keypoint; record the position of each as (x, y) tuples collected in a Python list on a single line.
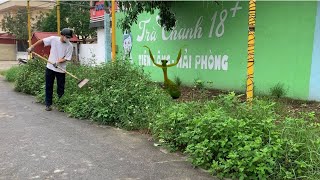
[(8, 43)]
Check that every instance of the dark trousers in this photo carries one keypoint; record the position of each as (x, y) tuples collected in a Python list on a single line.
[(50, 75)]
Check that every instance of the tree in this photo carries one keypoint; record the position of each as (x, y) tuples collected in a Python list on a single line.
[(37, 25), (16, 24), (132, 9), (73, 14)]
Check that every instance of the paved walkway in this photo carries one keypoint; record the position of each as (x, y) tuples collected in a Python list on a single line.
[(36, 144), (5, 65)]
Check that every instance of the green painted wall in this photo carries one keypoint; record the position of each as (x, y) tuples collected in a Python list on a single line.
[(284, 42), (283, 53), (228, 40)]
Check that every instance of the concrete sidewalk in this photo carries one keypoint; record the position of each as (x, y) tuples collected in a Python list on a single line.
[(5, 65), (36, 144)]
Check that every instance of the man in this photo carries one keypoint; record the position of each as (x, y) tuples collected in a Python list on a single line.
[(60, 52)]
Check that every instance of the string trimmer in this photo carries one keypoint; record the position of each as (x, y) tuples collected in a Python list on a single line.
[(81, 82)]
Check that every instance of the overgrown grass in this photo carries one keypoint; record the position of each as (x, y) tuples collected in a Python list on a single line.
[(118, 94), (223, 135), (199, 84), (178, 81), (232, 139), (12, 73), (3, 72), (31, 77), (278, 91)]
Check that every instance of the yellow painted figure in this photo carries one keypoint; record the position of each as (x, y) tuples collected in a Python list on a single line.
[(169, 85), (251, 39)]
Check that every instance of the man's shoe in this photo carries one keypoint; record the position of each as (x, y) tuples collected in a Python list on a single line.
[(48, 108)]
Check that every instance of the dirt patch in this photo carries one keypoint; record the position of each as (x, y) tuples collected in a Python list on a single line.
[(286, 106), (295, 107), (195, 94)]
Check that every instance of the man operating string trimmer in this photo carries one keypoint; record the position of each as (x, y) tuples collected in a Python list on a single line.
[(60, 52)]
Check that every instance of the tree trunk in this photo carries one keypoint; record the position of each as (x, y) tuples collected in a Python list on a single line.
[(84, 40)]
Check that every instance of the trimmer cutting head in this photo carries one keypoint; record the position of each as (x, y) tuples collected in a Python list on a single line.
[(83, 82)]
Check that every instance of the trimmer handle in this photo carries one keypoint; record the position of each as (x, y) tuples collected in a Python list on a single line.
[(43, 58)]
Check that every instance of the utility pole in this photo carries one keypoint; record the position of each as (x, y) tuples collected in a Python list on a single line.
[(251, 40), (58, 17), (113, 21), (29, 26)]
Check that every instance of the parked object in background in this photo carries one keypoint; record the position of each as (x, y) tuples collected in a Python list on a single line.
[(22, 61)]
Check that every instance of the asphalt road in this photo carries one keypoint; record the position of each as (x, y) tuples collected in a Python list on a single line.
[(36, 144)]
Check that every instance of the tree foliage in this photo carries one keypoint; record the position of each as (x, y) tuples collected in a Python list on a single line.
[(132, 9), (73, 14), (36, 26), (16, 24)]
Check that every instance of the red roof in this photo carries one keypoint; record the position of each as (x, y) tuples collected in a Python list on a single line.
[(41, 35), (6, 36)]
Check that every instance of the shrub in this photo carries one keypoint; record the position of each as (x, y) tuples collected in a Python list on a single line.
[(278, 91), (226, 136), (177, 81), (199, 84), (12, 74), (172, 89), (3, 72), (31, 78), (119, 93), (233, 139), (171, 123)]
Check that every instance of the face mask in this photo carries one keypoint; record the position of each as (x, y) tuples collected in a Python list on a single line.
[(66, 40)]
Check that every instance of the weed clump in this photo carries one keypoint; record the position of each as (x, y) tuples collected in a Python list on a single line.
[(118, 94), (233, 139), (278, 91)]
